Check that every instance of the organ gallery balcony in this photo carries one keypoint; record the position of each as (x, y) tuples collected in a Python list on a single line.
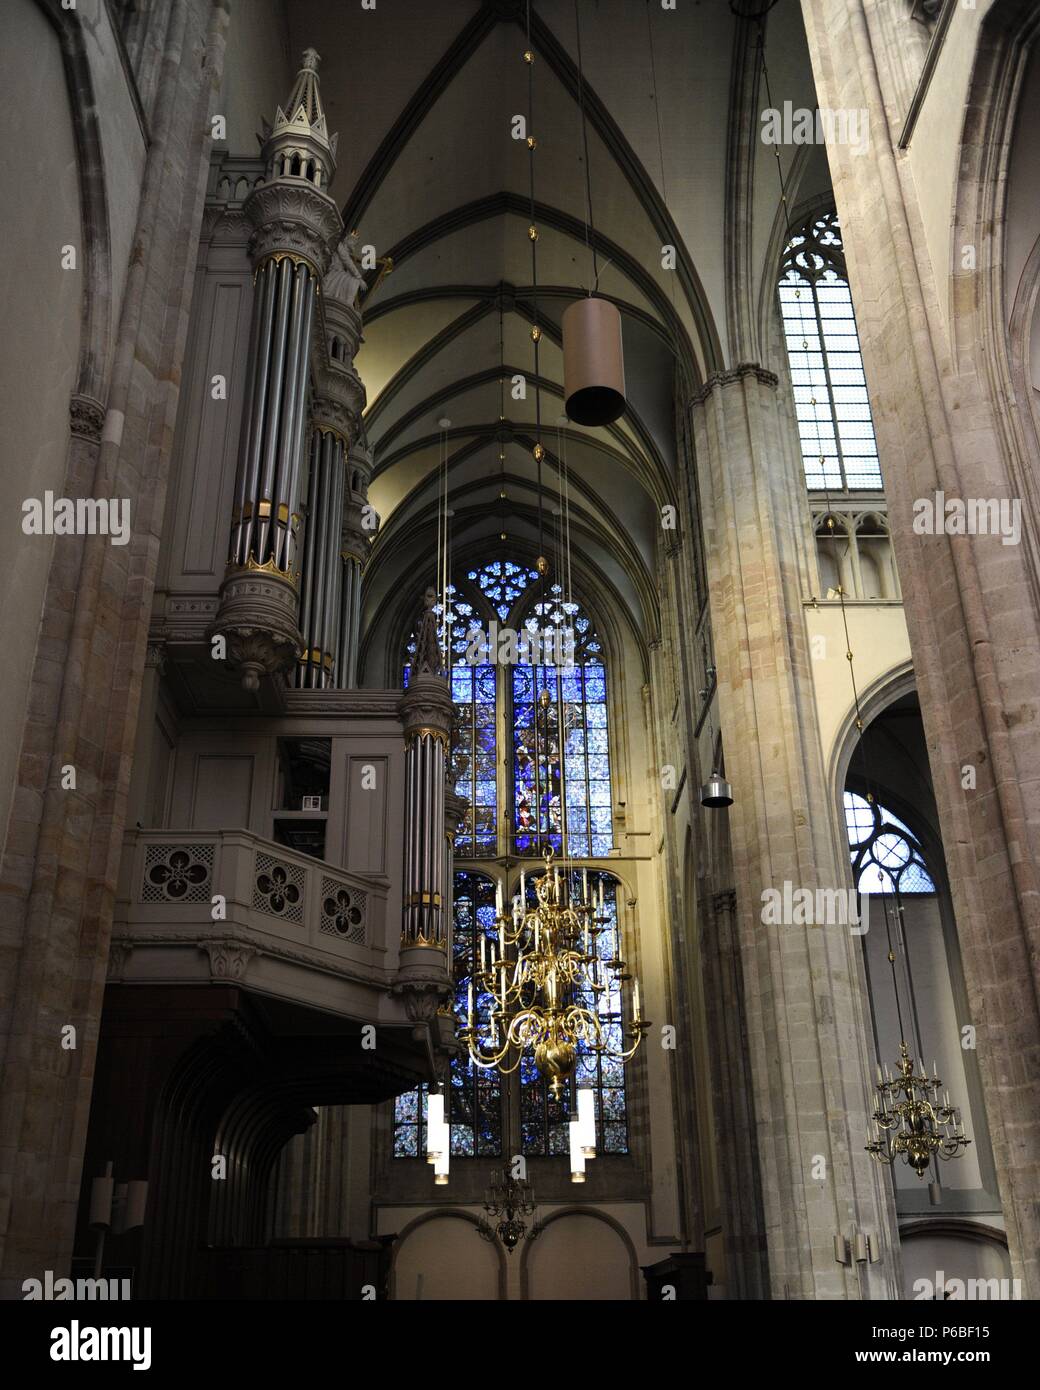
[(226, 905)]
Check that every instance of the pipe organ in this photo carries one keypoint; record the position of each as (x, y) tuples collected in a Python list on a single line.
[(295, 228)]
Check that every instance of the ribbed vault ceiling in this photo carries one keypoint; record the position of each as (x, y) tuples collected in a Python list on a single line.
[(423, 96)]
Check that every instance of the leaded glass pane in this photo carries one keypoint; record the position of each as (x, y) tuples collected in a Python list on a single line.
[(886, 856), (826, 365)]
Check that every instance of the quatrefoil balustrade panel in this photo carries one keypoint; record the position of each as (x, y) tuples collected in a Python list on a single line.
[(344, 911), (177, 874), (279, 888)]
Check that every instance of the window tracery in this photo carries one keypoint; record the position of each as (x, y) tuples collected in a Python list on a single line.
[(886, 856), (839, 450)]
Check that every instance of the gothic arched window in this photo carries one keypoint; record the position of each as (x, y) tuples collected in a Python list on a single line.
[(522, 658), (886, 855), (839, 450)]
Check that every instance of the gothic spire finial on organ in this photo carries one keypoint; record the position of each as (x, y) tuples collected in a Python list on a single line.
[(298, 145)]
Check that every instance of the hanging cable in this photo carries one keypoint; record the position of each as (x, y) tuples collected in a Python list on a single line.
[(536, 330), (590, 226)]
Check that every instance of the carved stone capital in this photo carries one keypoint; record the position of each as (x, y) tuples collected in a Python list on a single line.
[(355, 539), (339, 399), (293, 217), (118, 956), (155, 655), (427, 704), (227, 959), (743, 371), (86, 417), (257, 617)]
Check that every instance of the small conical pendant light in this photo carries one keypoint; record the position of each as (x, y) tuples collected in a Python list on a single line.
[(716, 792), (593, 362)]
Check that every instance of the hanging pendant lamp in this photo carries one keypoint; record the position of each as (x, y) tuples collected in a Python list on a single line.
[(593, 362), (716, 792)]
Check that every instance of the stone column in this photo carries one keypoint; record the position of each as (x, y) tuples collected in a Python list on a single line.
[(62, 848), (947, 416), (808, 1022)]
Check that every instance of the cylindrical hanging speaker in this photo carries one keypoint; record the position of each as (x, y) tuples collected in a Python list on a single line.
[(593, 362)]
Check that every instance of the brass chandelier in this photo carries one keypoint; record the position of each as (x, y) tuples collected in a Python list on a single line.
[(510, 1199), (909, 1123), (546, 981)]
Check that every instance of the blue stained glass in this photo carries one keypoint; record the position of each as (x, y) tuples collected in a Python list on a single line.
[(408, 1107), (599, 793), (461, 684), (577, 794), (612, 1071), (485, 793), (596, 716), (572, 684), (559, 1140), (486, 684), (522, 683), (585, 1069), (615, 1139), (595, 683), (461, 1141), (614, 1104), (597, 741), (599, 769), (600, 817), (406, 1142)]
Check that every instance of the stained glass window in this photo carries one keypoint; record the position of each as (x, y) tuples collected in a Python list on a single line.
[(543, 782), (475, 1112), (563, 678), (502, 582), (839, 450), (543, 1120), (473, 758), (473, 742), (886, 856)]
